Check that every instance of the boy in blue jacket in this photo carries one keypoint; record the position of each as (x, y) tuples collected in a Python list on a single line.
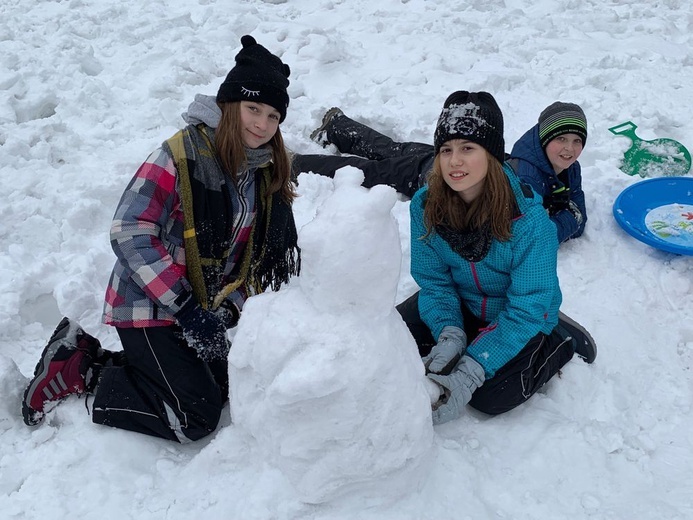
[(546, 157)]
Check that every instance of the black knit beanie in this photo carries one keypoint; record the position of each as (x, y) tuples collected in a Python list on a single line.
[(258, 76), (561, 118), (474, 116)]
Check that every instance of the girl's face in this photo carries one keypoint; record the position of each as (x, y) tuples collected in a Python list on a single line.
[(563, 151), (464, 166), (259, 123)]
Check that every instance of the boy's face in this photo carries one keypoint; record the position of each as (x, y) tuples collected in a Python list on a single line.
[(563, 151)]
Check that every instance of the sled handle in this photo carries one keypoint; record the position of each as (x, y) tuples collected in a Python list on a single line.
[(627, 129)]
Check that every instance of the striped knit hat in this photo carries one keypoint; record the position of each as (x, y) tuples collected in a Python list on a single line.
[(561, 118)]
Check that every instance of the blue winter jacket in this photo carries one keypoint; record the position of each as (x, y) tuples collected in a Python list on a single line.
[(534, 168), (514, 288)]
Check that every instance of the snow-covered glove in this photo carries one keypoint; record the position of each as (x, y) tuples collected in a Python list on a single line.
[(458, 388), (229, 314), (451, 346), (204, 331), (573, 208)]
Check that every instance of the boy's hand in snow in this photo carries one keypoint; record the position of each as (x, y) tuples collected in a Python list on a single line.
[(577, 214)]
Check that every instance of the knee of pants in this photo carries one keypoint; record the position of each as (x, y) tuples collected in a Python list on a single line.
[(495, 402), (194, 411), (200, 422)]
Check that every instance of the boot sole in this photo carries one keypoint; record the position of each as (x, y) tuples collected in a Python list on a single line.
[(580, 334), (329, 116)]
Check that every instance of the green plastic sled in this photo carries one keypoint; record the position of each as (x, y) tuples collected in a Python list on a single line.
[(657, 158)]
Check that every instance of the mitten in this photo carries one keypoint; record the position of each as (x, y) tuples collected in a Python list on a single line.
[(452, 344), (228, 313), (459, 386), (204, 331), (573, 208)]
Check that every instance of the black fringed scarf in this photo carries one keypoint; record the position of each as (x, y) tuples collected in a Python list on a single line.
[(272, 254), (473, 245), (275, 252)]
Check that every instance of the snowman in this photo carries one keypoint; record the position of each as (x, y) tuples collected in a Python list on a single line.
[(324, 373)]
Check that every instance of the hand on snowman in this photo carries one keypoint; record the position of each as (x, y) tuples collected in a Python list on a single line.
[(229, 313), (451, 346), (458, 388), (204, 331)]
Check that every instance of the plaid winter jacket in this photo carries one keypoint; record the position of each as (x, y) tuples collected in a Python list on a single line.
[(514, 287), (148, 283)]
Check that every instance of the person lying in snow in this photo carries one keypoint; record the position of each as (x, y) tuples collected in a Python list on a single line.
[(484, 254), (205, 222), (546, 157)]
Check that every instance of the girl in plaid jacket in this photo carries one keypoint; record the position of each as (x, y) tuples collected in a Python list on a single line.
[(205, 222)]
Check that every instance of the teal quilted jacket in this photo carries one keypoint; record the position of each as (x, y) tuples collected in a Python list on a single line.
[(514, 288)]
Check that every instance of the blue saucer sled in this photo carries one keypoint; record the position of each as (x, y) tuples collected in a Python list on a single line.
[(659, 212)]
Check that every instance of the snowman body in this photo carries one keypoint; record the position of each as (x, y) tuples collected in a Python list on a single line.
[(324, 373)]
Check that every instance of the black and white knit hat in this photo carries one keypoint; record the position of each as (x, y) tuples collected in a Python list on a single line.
[(474, 116), (561, 118), (258, 76)]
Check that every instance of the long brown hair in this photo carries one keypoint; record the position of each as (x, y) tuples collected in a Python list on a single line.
[(231, 151), (496, 204)]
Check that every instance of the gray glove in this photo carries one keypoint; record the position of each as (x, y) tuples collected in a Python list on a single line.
[(451, 346), (573, 208), (458, 386)]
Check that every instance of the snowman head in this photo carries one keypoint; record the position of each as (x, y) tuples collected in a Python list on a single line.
[(351, 250)]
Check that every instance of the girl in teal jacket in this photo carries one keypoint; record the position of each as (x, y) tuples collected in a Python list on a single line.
[(483, 252)]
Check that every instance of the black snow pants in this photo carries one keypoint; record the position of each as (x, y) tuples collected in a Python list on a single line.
[(161, 388), (516, 381), (404, 166)]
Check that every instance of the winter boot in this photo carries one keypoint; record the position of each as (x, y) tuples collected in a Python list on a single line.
[(67, 366), (319, 135), (583, 343)]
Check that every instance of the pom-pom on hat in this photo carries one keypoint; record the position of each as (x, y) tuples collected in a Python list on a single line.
[(474, 116), (561, 118), (258, 76)]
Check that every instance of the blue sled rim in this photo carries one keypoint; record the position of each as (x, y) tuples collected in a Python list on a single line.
[(635, 202)]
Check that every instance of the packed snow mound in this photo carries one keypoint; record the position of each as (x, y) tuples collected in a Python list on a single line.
[(12, 384), (324, 373)]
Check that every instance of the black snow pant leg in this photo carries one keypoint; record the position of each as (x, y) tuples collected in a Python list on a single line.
[(517, 380), (402, 173), (355, 138), (409, 310), (523, 375), (163, 390)]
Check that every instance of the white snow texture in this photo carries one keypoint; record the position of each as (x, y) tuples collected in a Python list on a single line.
[(325, 380)]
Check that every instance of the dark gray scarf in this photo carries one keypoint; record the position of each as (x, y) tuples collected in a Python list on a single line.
[(472, 245)]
